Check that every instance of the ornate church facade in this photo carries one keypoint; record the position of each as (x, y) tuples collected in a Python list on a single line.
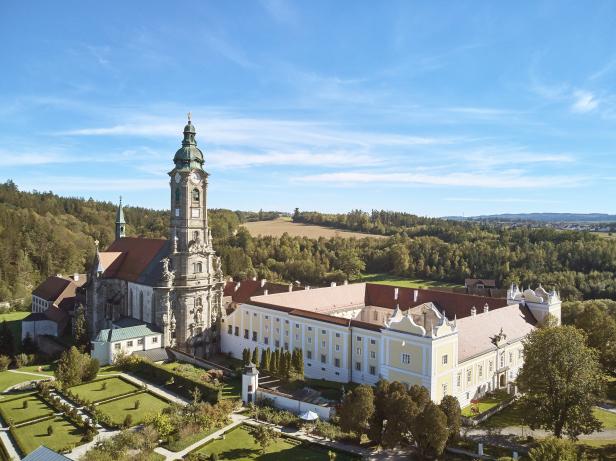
[(170, 287)]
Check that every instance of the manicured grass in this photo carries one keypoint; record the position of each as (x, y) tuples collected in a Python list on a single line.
[(510, 416), (179, 445), (388, 279), (14, 409), (606, 417), (118, 409), (486, 403), (31, 436), (46, 369), (13, 321), (239, 445), (8, 379), (94, 392), (599, 450)]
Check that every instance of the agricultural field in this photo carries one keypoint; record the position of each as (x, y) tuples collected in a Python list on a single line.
[(277, 227), (388, 279), (147, 404), (239, 445)]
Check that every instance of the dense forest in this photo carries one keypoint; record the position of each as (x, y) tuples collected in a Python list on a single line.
[(43, 234)]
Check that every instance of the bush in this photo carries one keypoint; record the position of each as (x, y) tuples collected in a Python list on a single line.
[(21, 360), (5, 361), (50, 430), (182, 385), (128, 421)]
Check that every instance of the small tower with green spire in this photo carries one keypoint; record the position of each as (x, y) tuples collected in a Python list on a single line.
[(120, 227)]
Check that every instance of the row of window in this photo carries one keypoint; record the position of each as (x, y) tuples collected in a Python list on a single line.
[(502, 363), (140, 342)]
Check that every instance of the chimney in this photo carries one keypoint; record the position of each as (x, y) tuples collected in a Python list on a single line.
[(346, 282), (396, 294), (290, 287), (486, 308), (473, 311), (237, 286), (76, 277), (332, 284), (263, 282), (415, 295), (264, 292), (307, 287)]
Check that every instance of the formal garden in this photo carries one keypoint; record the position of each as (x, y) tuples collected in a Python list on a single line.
[(245, 443)]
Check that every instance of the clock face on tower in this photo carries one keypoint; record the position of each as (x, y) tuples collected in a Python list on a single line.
[(194, 177)]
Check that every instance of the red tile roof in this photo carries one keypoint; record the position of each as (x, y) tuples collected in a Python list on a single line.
[(52, 288), (249, 288), (135, 256)]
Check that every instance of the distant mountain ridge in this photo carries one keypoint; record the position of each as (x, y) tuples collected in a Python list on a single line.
[(541, 217)]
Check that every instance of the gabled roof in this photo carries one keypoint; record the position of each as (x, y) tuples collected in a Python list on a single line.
[(43, 453), (52, 288), (475, 333), (134, 259), (488, 283), (121, 334)]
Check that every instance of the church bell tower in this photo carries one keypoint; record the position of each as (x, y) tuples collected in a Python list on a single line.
[(198, 281)]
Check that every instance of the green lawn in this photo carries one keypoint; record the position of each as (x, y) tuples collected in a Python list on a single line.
[(388, 279), (13, 320), (486, 403), (232, 388), (14, 409), (46, 369), (31, 436), (510, 416), (606, 417), (8, 379), (118, 409), (239, 445), (94, 392)]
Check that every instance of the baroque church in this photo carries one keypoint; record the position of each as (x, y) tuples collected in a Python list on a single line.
[(168, 291)]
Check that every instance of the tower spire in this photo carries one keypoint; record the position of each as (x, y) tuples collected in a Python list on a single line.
[(120, 224)]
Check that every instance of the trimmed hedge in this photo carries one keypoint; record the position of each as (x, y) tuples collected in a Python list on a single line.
[(181, 385)]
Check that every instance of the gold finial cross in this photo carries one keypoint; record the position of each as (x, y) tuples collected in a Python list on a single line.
[(96, 242), (189, 116)]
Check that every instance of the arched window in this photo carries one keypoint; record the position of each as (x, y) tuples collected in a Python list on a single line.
[(198, 303), (198, 267), (177, 194), (141, 305), (196, 235), (195, 195)]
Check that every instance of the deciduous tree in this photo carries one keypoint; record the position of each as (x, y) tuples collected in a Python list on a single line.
[(561, 380)]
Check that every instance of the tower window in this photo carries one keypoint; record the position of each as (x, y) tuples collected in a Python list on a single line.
[(198, 267), (177, 194), (195, 195)]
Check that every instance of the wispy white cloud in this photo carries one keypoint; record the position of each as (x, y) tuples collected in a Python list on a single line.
[(281, 10), (234, 54), (508, 179), (17, 158), (83, 183), (584, 101), (500, 200)]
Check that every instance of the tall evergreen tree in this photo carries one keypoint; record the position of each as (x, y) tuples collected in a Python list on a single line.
[(255, 357), (80, 330), (263, 362)]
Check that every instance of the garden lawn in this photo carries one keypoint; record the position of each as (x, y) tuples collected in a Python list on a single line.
[(486, 403), (14, 409), (8, 379), (31, 436), (118, 409), (239, 445), (510, 416), (606, 417), (232, 388), (94, 392)]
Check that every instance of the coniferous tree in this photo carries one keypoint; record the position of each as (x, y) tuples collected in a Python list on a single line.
[(80, 330), (263, 361), (255, 357), (267, 364), (288, 364), (246, 356)]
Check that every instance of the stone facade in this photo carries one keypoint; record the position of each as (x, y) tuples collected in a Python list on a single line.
[(174, 285)]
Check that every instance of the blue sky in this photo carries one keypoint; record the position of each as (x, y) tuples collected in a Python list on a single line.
[(435, 108)]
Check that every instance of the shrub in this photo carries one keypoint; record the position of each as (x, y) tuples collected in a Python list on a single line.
[(25, 404), (137, 404), (21, 360), (128, 421), (5, 361), (50, 430)]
